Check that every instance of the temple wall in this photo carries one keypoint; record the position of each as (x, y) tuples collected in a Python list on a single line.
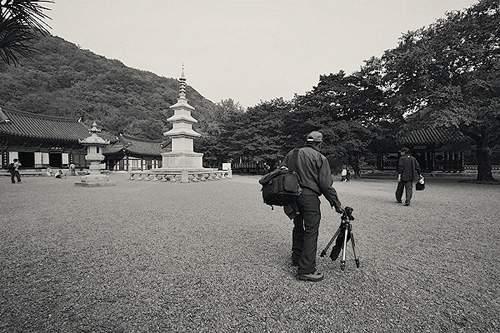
[(42, 157)]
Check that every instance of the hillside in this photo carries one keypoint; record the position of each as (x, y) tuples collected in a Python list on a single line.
[(64, 80)]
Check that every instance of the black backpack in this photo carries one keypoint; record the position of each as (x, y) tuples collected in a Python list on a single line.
[(281, 187), (10, 167)]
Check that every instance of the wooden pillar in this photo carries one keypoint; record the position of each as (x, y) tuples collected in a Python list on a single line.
[(433, 159)]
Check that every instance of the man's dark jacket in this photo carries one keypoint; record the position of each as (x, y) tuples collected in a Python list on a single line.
[(314, 173), (408, 168)]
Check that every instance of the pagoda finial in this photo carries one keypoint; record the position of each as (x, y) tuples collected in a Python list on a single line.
[(182, 86), (94, 128)]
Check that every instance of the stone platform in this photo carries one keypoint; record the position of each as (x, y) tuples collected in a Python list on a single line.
[(94, 180), (180, 175)]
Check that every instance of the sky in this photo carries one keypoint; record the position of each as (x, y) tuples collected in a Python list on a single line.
[(247, 50)]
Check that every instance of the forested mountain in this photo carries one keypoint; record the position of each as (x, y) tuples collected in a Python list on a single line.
[(64, 80)]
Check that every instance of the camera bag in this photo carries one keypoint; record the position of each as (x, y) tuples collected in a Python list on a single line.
[(420, 185), (281, 187)]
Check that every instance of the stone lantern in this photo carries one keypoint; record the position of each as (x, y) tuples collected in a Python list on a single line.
[(94, 145)]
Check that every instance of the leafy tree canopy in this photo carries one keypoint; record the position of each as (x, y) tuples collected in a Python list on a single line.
[(448, 75)]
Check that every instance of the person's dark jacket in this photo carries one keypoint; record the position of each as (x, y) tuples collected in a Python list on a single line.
[(314, 173), (408, 168)]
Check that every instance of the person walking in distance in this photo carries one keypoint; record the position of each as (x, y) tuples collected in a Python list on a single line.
[(343, 174), (315, 179), (408, 172), (14, 171)]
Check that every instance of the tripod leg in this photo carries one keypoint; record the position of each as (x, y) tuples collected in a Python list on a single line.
[(356, 259), (342, 262), (323, 253)]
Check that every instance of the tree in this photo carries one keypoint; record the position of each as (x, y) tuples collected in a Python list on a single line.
[(228, 105), (215, 148), (346, 109), (21, 22), (256, 135), (449, 73)]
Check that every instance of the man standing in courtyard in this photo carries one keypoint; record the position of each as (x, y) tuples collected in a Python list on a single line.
[(408, 172), (14, 171), (315, 179)]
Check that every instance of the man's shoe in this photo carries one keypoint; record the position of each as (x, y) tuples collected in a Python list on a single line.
[(313, 277), (407, 203), (399, 201)]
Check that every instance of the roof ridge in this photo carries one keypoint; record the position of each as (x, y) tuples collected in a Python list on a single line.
[(40, 115), (126, 136), (439, 129)]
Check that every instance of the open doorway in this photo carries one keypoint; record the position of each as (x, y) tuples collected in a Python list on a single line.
[(27, 159), (55, 160)]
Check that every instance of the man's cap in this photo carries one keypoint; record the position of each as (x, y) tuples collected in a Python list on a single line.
[(314, 136), (405, 150)]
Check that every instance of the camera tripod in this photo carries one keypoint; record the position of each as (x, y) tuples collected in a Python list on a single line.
[(341, 244)]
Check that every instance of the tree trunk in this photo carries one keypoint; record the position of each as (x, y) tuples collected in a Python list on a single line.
[(353, 161), (483, 154)]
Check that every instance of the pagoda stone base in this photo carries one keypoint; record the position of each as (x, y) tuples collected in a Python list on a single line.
[(179, 175), (94, 180), (182, 160)]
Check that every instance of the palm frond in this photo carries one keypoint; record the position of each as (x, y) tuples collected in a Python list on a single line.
[(30, 12), (21, 22)]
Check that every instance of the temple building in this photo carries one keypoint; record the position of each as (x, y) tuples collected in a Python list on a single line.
[(438, 149), (41, 141), (435, 149), (130, 154)]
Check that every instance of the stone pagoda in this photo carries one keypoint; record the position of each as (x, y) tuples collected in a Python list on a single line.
[(182, 134), (181, 163), (94, 144)]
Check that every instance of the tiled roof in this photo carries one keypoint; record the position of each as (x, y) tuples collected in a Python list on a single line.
[(113, 148), (43, 127), (432, 136), (135, 146)]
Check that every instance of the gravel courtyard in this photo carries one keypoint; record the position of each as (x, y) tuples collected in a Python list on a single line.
[(211, 257)]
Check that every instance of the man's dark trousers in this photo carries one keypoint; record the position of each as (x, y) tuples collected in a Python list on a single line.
[(409, 191), (13, 175), (305, 232)]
